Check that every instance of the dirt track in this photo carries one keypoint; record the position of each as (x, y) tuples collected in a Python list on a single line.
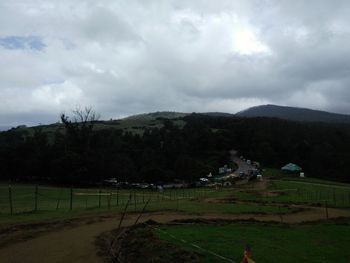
[(76, 243)]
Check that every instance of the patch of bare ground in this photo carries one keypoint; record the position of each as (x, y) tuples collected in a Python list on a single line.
[(21, 232), (139, 244)]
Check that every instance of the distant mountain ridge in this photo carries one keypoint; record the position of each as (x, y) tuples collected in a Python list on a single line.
[(154, 119), (157, 114), (294, 114)]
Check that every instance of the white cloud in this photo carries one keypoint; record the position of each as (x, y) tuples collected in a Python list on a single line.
[(127, 57)]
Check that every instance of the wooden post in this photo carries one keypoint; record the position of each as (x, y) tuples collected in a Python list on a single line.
[(71, 199), (36, 198), (279, 210), (58, 200), (326, 206), (143, 196), (10, 199), (99, 198), (135, 199), (109, 200), (117, 197)]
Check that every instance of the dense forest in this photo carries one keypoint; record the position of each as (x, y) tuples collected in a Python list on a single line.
[(82, 155)]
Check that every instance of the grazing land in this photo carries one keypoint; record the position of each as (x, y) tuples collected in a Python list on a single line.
[(283, 220), (270, 243), (30, 202)]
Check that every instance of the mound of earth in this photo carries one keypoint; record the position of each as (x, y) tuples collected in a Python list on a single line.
[(140, 245)]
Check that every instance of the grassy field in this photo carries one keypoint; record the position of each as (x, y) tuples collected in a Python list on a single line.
[(29, 203), (50, 202), (325, 242), (286, 191)]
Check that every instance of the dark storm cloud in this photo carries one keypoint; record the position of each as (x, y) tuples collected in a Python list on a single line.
[(128, 57)]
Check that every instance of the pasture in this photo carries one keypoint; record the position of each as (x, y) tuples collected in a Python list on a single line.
[(313, 243), (30, 202), (299, 192), (269, 215)]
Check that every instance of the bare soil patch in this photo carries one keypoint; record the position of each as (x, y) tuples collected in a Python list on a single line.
[(139, 245)]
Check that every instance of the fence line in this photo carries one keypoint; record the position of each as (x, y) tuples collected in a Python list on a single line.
[(36, 198), (21, 198)]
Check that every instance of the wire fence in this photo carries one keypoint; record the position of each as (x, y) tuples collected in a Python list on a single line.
[(15, 199), (299, 193), (19, 198)]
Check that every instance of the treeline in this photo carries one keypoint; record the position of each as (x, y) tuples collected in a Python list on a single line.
[(321, 149), (84, 155)]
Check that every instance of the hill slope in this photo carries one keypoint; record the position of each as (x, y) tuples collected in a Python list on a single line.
[(293, 113)]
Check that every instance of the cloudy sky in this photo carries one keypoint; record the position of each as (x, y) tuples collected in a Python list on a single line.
[(127, 57)]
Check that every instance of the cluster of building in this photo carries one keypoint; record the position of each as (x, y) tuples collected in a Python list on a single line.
[(227, 177)]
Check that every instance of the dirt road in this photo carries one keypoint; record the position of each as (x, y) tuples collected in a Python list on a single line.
[(76, 243)]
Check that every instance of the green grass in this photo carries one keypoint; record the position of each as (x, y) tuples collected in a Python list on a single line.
[(270, 243), (54, 202), (273, 172), (317, 192), (338, 196)]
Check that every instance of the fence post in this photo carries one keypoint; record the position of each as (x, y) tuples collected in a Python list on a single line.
[(59, 199), (109, 200), (135, 199), (36, 198), (117, 197), (279, 210), (71, 199), (326, 205), (10, 199), (99, 198)]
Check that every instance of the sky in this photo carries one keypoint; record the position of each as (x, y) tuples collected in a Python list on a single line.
[(128, 57)]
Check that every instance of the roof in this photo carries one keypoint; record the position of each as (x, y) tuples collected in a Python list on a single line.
[(291, 167)]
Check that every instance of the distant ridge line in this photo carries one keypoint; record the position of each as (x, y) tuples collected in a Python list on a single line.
[(294, 114)]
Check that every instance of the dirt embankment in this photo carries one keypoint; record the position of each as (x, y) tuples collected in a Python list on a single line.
[(139, 244)]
